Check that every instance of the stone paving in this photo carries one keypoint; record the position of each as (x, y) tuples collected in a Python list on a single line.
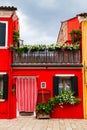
[(31, 123)]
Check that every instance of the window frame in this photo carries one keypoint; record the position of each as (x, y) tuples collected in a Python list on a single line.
[(6, 34), (74, 86), (4, 74)]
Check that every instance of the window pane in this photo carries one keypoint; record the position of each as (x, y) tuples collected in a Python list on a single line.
[(2, 34), (64, 83), (1, 87)]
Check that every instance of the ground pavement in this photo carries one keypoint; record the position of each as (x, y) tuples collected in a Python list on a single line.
[(31, 123)]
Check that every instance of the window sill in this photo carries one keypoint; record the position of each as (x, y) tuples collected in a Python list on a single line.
[(2, 100)]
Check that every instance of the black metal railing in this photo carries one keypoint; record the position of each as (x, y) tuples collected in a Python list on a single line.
[(59, 57)]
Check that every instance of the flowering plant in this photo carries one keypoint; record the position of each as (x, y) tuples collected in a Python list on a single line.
[(64, 97)]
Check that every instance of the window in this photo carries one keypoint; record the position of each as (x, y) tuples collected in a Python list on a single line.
[(3, 34), (66, 82), (3, 86)]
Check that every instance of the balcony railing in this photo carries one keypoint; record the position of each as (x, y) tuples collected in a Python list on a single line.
[(47, 57)]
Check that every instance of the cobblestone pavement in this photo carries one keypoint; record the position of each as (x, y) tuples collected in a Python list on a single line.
[(30, 123)]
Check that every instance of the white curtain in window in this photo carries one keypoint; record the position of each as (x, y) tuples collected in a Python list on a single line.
[(26, 93)]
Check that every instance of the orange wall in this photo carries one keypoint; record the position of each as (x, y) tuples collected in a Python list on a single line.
[(73, 24)]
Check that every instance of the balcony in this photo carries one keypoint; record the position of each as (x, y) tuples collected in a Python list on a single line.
[(47, 59)]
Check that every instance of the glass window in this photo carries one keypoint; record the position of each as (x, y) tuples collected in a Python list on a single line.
[(1, 87), (64, 82), (3, 34)]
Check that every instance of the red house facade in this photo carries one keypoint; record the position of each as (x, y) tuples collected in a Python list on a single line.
[(23, 76)]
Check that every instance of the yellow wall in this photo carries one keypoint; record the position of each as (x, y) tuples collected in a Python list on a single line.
[(84, 62)]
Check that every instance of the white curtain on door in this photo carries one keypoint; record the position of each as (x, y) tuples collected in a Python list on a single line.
[(26, 93)]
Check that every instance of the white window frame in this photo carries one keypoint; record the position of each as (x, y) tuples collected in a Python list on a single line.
[(6, 35)]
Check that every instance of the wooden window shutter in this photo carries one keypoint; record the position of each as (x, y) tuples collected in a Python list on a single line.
[(74, 81), (2, 34), (55, 85), (5, 86)]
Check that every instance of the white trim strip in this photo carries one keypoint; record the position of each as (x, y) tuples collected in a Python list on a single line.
[(65, 75), (1, 73)]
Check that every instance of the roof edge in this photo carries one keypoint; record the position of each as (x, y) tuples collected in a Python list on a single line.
[(8, 8)]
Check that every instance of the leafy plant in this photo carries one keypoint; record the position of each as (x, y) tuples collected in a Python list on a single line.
[(58, 46), (71, 47), (19, 50), (1, 94), (65, 97), (75, 35), (16, 38), (42, 47), (34, 48), (51, 47)]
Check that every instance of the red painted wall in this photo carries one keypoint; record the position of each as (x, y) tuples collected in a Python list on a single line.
[(46, 75), (6, 108)]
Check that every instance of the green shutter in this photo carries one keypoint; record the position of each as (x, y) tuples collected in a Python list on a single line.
[(55, 85), (2, 34), (74, 81), (5, 86)]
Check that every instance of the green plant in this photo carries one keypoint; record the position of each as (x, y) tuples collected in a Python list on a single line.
[(51, 47), (16, 38), (58, 46), (13, 90), (71, 47), (75, 35), (67, 47), (76, 47), (1, 94), (65, 97), (19, 50), (43, 108), (25, 49), (33, 48), (41, 47)]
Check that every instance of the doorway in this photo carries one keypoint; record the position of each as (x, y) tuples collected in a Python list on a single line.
[(26, 94)]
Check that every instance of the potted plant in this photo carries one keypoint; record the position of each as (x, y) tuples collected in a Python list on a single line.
[(43, 110)]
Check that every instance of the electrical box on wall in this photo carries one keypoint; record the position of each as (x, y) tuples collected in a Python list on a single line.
[(43, 85)]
